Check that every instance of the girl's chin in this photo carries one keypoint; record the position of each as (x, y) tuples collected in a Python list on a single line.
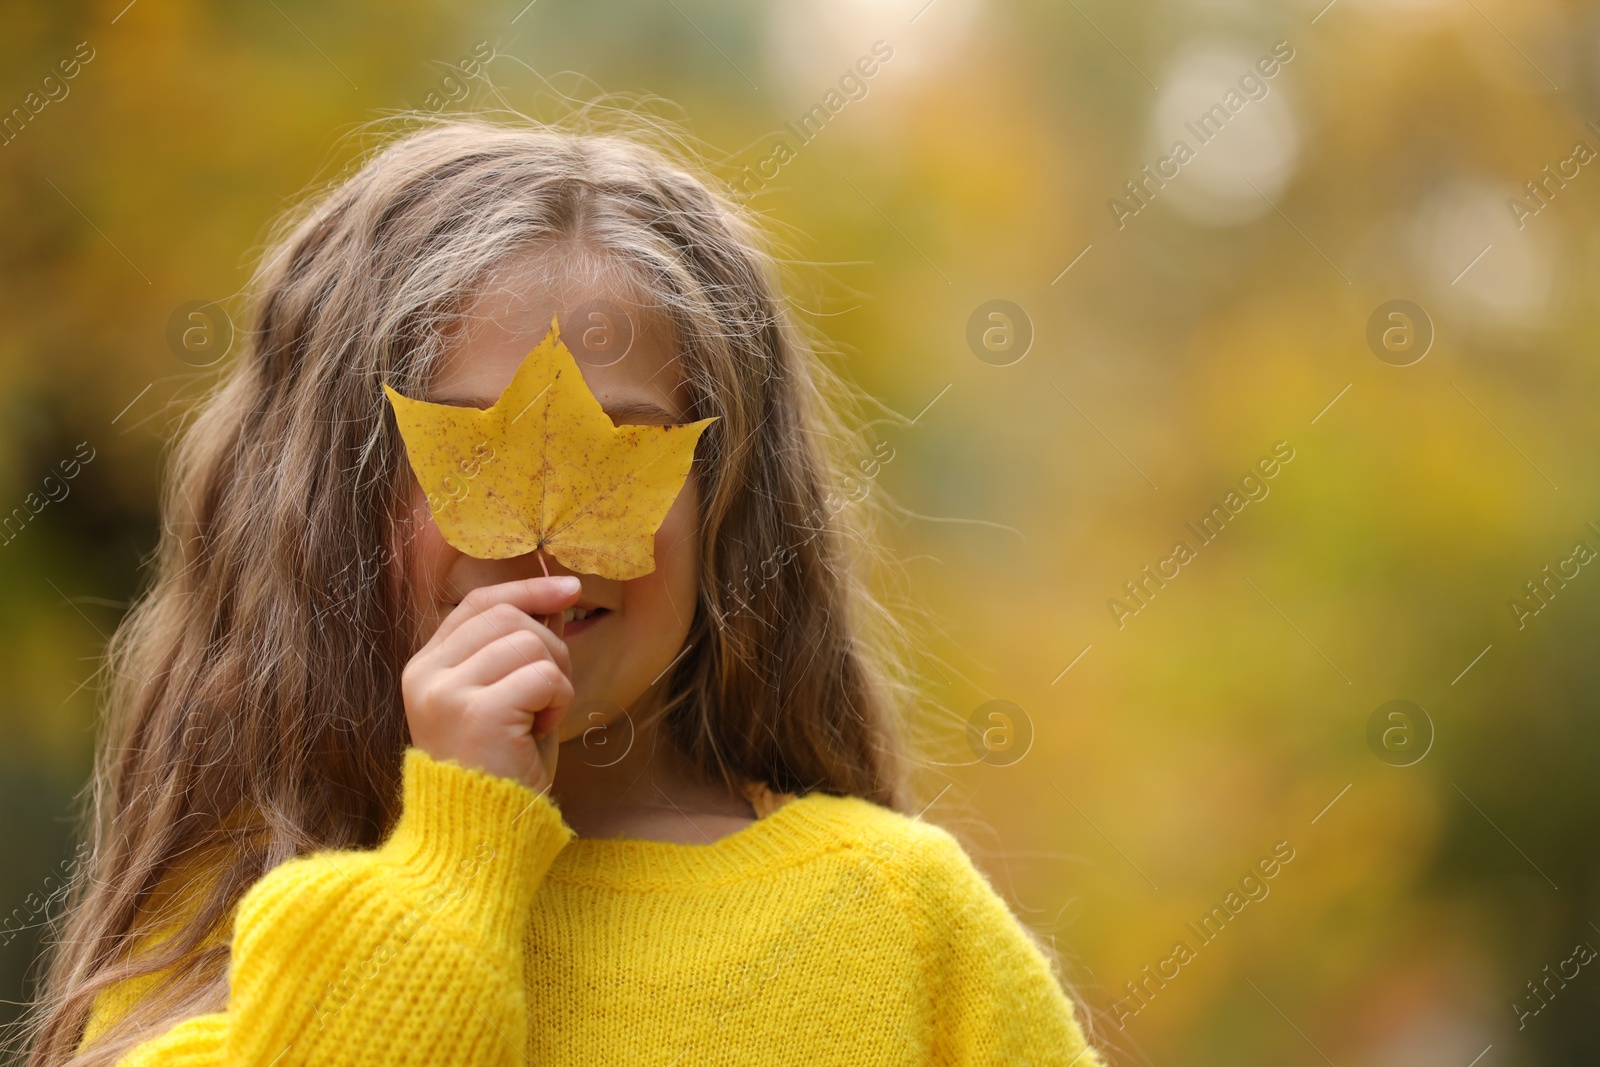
[(596, 730)]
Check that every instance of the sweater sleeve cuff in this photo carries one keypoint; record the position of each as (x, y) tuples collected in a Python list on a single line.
[(478, 844)]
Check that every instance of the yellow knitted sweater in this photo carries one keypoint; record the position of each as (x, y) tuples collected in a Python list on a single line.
[(832, 931)]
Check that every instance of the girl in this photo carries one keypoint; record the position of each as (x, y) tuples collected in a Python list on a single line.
[(364, 799)]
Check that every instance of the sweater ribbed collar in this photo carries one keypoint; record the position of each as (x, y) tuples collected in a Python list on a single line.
[(803, 828)]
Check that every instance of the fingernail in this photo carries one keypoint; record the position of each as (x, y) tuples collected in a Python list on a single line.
[(569, 583)]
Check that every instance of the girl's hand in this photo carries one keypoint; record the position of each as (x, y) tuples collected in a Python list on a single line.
[(490, 687)]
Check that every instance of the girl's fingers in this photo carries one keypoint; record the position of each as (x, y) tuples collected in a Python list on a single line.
[(532, 596), (502, 655), (540, 689), (496, 625), (542, 772)]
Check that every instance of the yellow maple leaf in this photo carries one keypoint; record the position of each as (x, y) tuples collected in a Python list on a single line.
[(545, 468)]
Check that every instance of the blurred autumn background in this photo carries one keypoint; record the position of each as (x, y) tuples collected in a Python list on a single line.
[(1159, 742)]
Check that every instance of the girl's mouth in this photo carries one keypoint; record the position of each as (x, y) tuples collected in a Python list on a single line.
[(577, 620)]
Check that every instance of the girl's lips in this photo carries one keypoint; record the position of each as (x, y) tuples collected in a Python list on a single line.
[(580, 625)]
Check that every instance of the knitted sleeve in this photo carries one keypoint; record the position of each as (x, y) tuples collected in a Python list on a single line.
[(411, 953), (995, 996)]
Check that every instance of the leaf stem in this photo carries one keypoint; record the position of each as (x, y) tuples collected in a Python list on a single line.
[(554, 622)]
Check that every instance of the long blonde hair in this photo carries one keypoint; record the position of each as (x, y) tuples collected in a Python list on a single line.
[(253, 711)]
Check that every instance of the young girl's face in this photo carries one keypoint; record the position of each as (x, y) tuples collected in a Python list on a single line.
[(637, 627)]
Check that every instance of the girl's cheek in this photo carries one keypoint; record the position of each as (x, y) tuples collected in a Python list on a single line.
[(678, 552), (430, 559)]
